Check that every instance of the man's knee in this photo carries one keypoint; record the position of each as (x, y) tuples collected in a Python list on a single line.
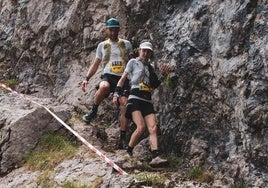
[(104, 88)]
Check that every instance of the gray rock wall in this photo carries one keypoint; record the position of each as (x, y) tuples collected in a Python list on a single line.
[(215, 113), (22, 125)]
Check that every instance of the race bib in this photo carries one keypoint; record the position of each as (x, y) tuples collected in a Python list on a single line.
[(144, 87), (117, 66)]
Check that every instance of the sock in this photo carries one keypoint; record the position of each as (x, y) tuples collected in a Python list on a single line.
[(122, 135), (95, 107), (129, 149), (155, 153)]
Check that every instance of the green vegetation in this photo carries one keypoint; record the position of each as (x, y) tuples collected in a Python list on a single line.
[(174, 162), (3, 66), (76, 117), (152, 179), (136, 51), (239, 185), (74, 185), (69, 184), (44, 180), (10, 83), (171, 81), (97, 182), (200, 175), (53, 148)]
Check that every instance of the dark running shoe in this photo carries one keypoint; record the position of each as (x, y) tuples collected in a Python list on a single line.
[(130, 153), (90, 116)]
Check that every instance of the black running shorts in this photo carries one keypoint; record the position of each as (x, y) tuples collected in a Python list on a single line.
[(113, 80), (144, 107)]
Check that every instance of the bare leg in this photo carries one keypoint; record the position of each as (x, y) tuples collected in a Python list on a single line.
[(98, 98), (101, 92), (152, 129), (139, 121), (123, 121)]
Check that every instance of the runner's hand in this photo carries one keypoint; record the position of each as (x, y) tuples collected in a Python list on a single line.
[(165, 69)]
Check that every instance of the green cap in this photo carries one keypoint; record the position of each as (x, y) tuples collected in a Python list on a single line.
[(112, 22)]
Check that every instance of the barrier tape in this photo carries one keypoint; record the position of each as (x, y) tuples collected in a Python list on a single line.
[(102, 156)]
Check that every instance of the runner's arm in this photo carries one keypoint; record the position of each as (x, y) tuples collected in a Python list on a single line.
[(93, 68), (91, 71), (118, 89)]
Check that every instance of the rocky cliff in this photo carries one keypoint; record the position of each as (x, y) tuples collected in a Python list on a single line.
[(212, 110)]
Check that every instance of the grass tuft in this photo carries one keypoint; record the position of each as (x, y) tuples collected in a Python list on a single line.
[(174, 162), (70, 184), (200, 175), (10, 83), (52, 149), (152, 179)]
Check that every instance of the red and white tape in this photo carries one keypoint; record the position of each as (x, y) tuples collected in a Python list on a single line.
[(102, 156)]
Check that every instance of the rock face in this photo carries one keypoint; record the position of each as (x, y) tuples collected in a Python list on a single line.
[(213, 110), (22, 125)]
